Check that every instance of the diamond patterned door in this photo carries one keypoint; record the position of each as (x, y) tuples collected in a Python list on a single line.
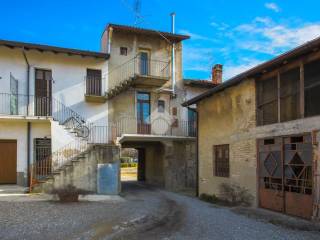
[(285, 174), (270, 174), (298, 175)]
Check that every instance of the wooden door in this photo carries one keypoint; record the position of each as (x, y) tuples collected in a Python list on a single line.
[(43, 92), (8, 161)]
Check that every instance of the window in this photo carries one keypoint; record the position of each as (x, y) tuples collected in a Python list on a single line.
[(312, 88), (267, 101), (161, 106), (93, 82), (289, 95), (221, 160), (123, 51)]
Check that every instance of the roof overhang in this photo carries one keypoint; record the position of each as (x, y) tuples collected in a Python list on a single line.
[(129, 29), (290, 56), (53, 49)]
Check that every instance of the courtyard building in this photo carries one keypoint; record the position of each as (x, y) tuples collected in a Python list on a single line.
[(259, 132), (66, 113)]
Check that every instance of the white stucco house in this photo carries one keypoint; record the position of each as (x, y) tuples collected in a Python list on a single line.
[(60, 107)]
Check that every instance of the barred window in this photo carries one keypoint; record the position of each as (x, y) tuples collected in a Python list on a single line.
[(221, 160)]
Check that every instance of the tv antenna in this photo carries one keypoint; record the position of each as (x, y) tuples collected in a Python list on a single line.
[(137, 12)]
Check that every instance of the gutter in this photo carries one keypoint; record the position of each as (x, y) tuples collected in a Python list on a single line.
[(29, 123)]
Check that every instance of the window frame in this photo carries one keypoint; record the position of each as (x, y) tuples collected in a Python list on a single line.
[(221, 166), (123, 51)]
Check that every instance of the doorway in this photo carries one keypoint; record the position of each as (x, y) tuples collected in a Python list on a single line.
[(285, 174), (43, 92), (143, 113), (144, 63), (8, 161)]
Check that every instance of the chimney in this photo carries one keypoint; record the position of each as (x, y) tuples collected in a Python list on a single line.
[(217, 74)]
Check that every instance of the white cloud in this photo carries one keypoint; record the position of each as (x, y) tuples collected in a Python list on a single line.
[(231, 70), (197, 58), (266, 36), (272, 6), (195, 36)]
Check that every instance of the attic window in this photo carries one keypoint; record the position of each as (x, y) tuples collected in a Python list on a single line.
[(123, 51)]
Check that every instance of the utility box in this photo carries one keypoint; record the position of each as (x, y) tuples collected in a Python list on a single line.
[(108, 178)]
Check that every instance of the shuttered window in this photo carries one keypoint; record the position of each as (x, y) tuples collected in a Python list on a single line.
[(312, 88), (93, 82), (221, 160)]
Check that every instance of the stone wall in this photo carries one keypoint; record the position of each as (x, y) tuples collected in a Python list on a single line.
[(224, 119), (82, 171), (229, 117)]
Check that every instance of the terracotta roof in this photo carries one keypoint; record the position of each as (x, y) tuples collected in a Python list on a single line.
[(168, 35), (42, 48), (294, 54), (199, 83)]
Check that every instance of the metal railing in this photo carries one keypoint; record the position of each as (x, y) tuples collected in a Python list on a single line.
[(34, 106), (138, 66), (155, 125)]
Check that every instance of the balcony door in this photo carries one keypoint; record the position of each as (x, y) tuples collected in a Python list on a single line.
[(143, 113), (43, 92), (144, 63)]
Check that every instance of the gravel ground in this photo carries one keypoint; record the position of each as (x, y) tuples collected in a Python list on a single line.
[(145, 213)]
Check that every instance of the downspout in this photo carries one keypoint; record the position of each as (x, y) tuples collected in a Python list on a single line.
[(29, 123), (173, 60), (197, 152)]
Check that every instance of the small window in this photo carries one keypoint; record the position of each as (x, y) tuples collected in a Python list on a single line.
[(269, 141), (161, 106), (174, 111), (123, 51), (221, 160)]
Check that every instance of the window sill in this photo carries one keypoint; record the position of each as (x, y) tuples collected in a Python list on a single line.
[(95, 99)]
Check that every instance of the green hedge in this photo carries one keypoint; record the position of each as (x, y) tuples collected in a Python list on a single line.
[(125, 165)]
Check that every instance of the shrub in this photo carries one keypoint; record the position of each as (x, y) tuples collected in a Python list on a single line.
[(235, 195), (69, 193)]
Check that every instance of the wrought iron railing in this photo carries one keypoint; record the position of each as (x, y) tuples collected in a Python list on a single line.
[(34, 106), (155, 125), (138, 66)]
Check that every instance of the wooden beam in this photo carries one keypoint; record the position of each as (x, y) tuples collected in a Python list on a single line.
[(301, 89), (278, 97)]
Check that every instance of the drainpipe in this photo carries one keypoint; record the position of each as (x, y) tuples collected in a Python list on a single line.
[(173, 60), (29, 123)]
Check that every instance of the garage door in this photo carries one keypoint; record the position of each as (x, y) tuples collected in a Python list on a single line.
[(8, 161)]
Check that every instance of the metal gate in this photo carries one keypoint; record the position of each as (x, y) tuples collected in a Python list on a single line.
[(285, 174), (42, 158)]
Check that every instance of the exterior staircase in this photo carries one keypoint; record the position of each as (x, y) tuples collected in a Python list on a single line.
[(54, 168)]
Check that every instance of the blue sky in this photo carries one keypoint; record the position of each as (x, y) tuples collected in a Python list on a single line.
[(238, 34)]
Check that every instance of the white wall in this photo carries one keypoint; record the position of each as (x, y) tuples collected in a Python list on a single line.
[(17, 130), (68, 74)]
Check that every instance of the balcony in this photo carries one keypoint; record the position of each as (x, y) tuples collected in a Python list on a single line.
[(138, 72), (21, 106), (154, 127)]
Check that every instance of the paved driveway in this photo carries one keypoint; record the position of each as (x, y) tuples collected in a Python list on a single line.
[(142, 213)]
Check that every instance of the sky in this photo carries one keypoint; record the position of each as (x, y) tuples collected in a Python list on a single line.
[(238, 34)]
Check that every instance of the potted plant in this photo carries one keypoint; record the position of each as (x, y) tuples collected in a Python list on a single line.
[(69, 193)]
